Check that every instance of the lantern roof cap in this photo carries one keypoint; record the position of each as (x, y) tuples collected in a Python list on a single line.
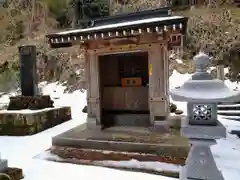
[(202, 87)]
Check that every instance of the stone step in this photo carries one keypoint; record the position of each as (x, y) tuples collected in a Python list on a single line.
[(235, 118), (109, 145), (229, 107), (132, 120), (229, 112)]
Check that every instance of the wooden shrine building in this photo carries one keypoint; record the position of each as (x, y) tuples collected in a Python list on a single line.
[(127, 65)]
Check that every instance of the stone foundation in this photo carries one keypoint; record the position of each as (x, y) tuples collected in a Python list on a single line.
[(30, 102), (28, 122)]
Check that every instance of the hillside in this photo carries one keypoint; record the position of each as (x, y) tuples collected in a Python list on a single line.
[(215, 30)]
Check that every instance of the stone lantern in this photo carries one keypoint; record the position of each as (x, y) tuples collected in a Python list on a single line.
[(3, 165), (202, 94)]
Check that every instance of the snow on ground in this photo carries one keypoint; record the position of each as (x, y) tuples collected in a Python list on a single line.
[(20, 151), (156, 166), (176, 80)]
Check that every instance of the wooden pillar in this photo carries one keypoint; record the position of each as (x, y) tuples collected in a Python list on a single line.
[(93, 95), (157, 84), (166, 78)]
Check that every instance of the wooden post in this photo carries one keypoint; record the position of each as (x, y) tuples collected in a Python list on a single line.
[(157, 84), (93, 100)]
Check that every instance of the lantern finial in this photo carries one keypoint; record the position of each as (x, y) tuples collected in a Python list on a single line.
[(201, 61)]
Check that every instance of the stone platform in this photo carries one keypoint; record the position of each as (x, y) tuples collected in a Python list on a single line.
[(167, 142), (29, 122)]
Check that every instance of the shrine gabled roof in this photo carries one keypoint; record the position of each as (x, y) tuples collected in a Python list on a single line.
[(157, 20)]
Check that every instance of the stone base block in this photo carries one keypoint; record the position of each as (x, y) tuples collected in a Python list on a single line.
[(3, 165), (201, 131), (28, 122), (30, 102), (183, 176)]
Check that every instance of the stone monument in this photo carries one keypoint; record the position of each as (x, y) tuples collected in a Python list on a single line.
[(202, 94), (28, 70), (30, 112)]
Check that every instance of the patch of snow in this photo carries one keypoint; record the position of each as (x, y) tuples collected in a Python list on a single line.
[(47, 155), (25, 111), (229, 111), (229, 117), (229, 105), (46, 170), (4, 99), (179, 61), (21, 150), (226, 70), (114, 152), (54, 90), (175, 80), (156, 166), (133, 163), (232, 85), (229, 124), (121, 24), (226, 152), (212, 68)]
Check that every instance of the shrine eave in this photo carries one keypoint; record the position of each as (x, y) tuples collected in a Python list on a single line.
[(116, 30)]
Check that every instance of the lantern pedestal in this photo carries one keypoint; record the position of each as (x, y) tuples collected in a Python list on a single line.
[(200, 163), (203, 131)]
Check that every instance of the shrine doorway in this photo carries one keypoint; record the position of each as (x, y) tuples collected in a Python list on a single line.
[(124, 89)]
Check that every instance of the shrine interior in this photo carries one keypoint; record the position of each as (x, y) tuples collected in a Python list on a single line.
[(124, 93)]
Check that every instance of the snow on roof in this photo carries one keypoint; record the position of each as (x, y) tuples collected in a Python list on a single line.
[(122, 24)]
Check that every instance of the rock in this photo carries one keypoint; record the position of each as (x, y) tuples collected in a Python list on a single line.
[(14, 173), (173, 107), (178, 112), (84, 110)]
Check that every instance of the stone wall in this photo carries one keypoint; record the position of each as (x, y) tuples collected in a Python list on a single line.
[(28, 122)]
